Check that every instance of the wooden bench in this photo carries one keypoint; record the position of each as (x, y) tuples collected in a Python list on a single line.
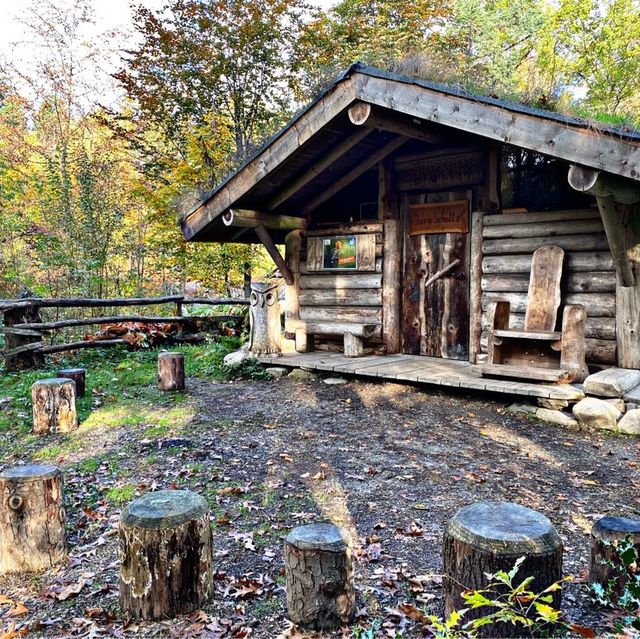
[(538, 351), (353, 334)]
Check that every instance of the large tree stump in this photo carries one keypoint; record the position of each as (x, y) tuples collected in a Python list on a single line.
[(265, 330), (54, 406), (490, 536), (320, 593), (171, 371), (23, 337), (605, 534), (166, 558), (32, 518), (77, 375)]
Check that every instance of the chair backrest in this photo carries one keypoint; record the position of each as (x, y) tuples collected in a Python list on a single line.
[(544, 289)]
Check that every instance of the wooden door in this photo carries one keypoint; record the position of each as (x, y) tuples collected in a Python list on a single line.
[(435, 310)]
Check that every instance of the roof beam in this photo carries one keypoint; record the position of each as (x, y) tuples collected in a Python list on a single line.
[(245, 218), (273, 251), (324, 162), (363, 114), (355, 173), (593, 148), (284, 145)]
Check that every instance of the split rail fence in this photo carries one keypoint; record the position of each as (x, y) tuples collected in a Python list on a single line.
[(25, 332)]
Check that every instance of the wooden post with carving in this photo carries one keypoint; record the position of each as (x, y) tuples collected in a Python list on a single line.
[(265, 333), (54, 406), (32, 518), (171, 371)]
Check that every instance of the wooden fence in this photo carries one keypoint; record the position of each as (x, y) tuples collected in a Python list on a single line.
[(25, 331)]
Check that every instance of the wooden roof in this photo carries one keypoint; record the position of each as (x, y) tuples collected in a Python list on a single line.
[(320, 148)]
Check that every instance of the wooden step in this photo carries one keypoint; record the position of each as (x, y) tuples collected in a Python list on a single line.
[(519, 334), (518, 372)]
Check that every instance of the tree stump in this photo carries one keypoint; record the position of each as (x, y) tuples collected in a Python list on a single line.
[(320, 593), (32, 518), (265, 330), (171, 371), (54, 406), (166, 558), (13, 341), (490, 536), (77, 375), (605, 534)]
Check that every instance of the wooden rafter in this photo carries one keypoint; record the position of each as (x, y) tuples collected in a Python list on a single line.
[(322, 163), (355, 173)]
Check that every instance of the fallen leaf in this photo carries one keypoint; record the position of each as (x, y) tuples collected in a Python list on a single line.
[(72, 590), (16, 611)]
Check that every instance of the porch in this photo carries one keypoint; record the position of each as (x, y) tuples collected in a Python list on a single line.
[(430, 371)]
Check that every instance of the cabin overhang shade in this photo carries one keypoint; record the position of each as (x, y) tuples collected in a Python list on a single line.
[(322, 143)]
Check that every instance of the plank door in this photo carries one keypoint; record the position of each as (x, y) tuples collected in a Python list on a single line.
[(435, 315)]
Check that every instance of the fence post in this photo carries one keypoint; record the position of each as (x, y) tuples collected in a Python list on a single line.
[(15, 317)]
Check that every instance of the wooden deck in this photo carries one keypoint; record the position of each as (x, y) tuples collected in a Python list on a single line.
[(430, 371)]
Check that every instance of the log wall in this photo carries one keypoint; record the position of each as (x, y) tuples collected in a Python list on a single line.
[(588, 274), (342, 296)]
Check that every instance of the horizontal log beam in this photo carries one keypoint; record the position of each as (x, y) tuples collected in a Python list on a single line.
[(601, 184), (244, 218), (74, 346), (70, 302), (125, 319)]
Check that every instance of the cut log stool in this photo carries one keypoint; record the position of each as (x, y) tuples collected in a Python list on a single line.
[(171, 371), (77, 375), (320, 593), (490, 536), (32, 518), (605, 533), (54, 406), (166, 558)]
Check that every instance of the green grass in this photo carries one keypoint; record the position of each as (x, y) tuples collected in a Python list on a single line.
[(120, 495)]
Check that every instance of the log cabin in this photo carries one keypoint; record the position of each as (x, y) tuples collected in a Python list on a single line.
[(409, 210)]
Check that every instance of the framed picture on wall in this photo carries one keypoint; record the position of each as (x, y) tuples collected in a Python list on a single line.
[(340, 252)]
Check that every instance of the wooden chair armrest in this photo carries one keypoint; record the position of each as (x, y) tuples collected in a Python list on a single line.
[(574, 347), (498, 315)]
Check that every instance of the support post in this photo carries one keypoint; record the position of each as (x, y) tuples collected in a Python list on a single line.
[(293, 245), (475, 286), (13, 341), (265, 333), (272, 249)]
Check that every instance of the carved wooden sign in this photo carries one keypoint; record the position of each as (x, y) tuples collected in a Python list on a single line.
[(440, 173), (440, 217)]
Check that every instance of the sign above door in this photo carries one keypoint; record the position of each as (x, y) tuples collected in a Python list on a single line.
[(440, 217)]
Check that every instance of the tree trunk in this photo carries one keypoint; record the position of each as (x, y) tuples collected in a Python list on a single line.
[(16, 317), (166, 558), (32, 518), (54, 406), (171, 371), (265, 333), (77, 375), (320, 593), (490, 536), (605, 534)]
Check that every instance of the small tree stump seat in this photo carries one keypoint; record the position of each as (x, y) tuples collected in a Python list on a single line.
[(489, 536), (605, 533), (171, 372), (77, 375), (32, 518), (166, 557), (54, 406), (319, 569)]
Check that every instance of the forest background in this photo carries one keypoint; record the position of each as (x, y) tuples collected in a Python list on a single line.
[(96, 164)]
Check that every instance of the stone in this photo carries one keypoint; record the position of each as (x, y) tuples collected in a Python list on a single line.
[(630, 423), (335, 381), (633, 396), (526, 409), (277, 371), (305, 376), (611, 382), (556, 417), (237, 357), (618, 403), (552, 404), (596, 413)]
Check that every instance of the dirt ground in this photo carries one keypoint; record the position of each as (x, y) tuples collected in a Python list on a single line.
[(392, 463)]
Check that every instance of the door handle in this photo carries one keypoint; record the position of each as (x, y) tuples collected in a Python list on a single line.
[(441, 272)]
